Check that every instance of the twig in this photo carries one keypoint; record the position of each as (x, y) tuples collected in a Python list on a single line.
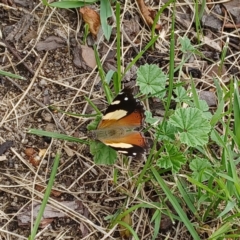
[(40, 104), (25, 93), (15, 53)]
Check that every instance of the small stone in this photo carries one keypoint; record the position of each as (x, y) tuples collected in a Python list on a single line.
[(43, 83), (47, 117), (24, 141)]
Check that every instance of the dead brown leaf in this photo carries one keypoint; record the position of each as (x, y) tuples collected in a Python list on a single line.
[(33, 157), (148, 14), (131, 28), (212, 43), (54, 193), (30, 152), (50, 43), (25, 217), (124, 232), (92, 18), (17, 30), (88, 56)]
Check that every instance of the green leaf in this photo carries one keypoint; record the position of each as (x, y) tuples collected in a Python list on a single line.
[(193, 128), (45, 2), (109, 76), (182, 95), (236, 111), (175, 203), (217, 138), (156, 218), (105, 13), (102, 154), (11, 75), (149, 119), (199, 167), (172, 158), (46, 196), (203, 105), (186, 45), (151, 79), (93, 125), (228, 209), (167, 132), (72, 4), (57, 136)]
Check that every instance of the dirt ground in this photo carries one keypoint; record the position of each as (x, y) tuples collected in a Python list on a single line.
[(44, 45)]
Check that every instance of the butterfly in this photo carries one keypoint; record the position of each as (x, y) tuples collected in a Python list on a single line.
[(117, 129)]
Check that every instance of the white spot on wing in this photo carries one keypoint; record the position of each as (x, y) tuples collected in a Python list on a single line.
[(134, 154), (126, 98), (124, 152)]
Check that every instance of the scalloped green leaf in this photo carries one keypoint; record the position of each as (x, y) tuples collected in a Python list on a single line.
[(150, 119), (199, 166), (171, 158), (166, 132), (93, 125), (102, 154), (186, 45), (193, 127), (182, 95), (151, 79)]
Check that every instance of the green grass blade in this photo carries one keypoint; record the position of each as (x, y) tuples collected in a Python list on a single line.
[(180, 182), (218, 233), (236, 111), (134, 234), (11, 75), (195, 95), (46, 197), (53, 108), (105, 13), (93, 105), (175, 204), (71, 4), (140, 54), (158, 15), (171, 65), (57, 136), (202, 186), (102, 75), (223, 55), (45, 2), (117, 82)]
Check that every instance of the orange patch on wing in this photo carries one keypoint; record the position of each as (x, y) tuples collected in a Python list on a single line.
[(132, 120), (133, 138)]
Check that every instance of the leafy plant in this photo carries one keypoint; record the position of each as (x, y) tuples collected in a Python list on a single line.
[(193, 164), (105, 11)]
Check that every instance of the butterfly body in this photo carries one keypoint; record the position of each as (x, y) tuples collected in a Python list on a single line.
[(118, 124)]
